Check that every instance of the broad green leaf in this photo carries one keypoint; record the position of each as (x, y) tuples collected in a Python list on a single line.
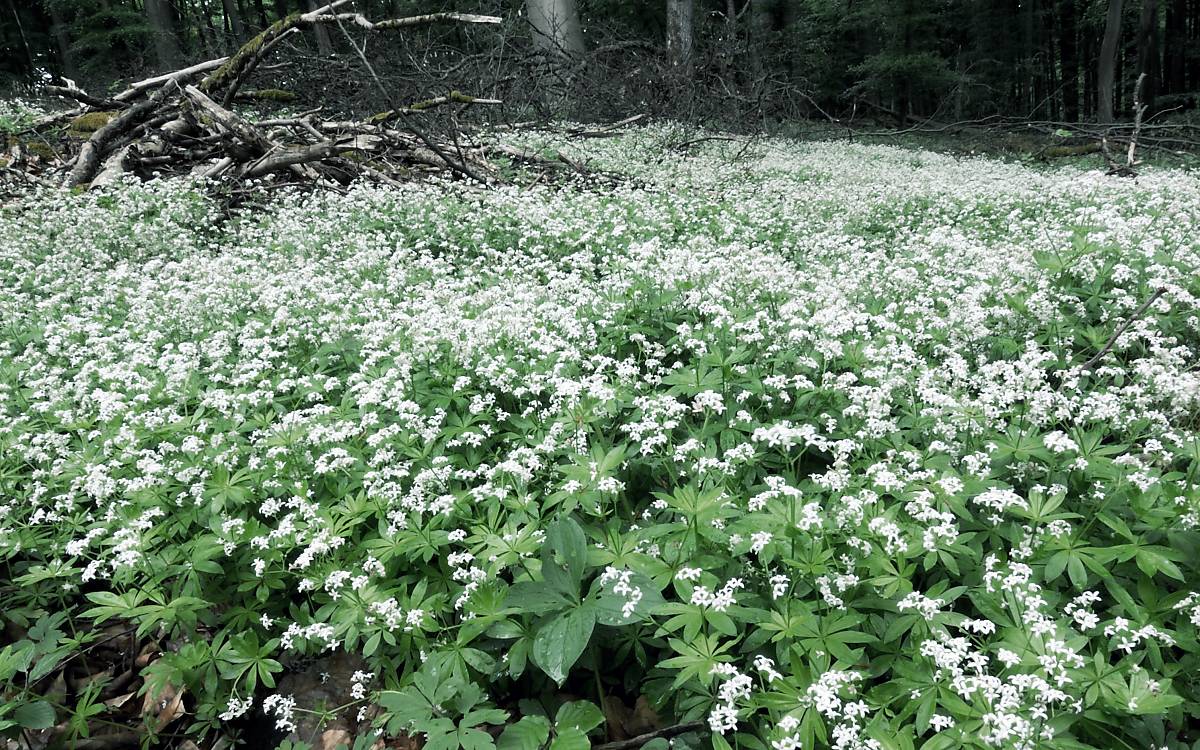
[(583, 715), (535, 598), (570, 739), (568, 547), (530, 733), (560, 642), (35, 715)]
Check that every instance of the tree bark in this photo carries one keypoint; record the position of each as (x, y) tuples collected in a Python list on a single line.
[(234, 18), (261, 10), (1106, 66), (1069, 54), (1175, 47), (24, 41), (166, 46), (324, 43), (555, 25), (1148, 63), (680, 31), (62, 41)]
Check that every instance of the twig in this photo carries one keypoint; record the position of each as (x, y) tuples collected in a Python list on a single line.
[(1113, 340), (664, 733), (1139, 109), (461, 168)]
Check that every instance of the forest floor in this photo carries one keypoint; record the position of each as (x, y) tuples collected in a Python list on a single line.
[(768, 443)]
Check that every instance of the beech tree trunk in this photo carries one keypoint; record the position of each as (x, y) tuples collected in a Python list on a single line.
[(1175, 47), (680, 31), (1070, 60), (324, 43), (555, 25), (1106, 66), (262, 14), (1148, 51), (234, 17), (58, 28), (166, 46)]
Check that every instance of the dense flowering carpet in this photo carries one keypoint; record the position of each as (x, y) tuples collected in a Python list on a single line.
[(805, 442)]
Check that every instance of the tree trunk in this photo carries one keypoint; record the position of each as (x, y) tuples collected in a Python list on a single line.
[(324, 43), (556, 27), (1088, 58), (281, 8), (1106, 66), (1175, 48), (58, 28), (1069, 54), (33, 66), (1193, 65), (233, 18), (166, 46), (1148, 51), (679, 31), (261, 10)]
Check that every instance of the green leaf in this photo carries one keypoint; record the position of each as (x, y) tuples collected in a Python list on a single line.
[(571, 739), (568, 547), (484, 716), (530, 733), (560, 642), (36, 715), (719, 742), (583, 715), (535, 598), (475, 739), (610, 607)]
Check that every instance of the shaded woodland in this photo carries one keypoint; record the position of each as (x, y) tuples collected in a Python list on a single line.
[(716, 60)]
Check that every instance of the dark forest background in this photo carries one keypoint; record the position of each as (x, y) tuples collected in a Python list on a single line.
[(899, 60)]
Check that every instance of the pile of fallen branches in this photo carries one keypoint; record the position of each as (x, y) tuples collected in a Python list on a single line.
[(184, 123)]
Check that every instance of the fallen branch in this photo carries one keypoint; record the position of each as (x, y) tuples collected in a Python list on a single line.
[(83, 97), (664, 733), (90, 154), (134, 90), (1113, 340), (606, 131), (184, 123)]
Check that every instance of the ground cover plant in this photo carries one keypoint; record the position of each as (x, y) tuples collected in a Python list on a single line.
[(790, 445)]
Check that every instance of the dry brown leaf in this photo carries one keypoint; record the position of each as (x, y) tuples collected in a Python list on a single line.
[(617, 715), (406, 742), (644, 719), (165, 707), (331, 739), (119, 701)]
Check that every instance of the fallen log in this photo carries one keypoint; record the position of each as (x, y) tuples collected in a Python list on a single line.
[(90, 154), (184, 123)]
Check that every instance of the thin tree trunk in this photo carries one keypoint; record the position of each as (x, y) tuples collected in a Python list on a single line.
[(166, 46), (233, 18), (1069, 53), (324, 43), (24, 41), (1148, 51), (1193, 68), (261, 10), (679, 31), (1088, 58), (1175, 46), (1106, 66), (555, 25), (59, 29)]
